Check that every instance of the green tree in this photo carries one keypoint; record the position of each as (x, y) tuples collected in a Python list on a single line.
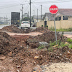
[(26, 19)]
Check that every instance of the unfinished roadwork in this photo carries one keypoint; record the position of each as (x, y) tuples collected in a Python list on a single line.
[(19, 50)]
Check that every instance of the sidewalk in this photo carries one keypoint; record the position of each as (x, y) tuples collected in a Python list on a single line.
[(68, 36)]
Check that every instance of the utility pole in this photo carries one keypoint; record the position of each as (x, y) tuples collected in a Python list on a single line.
[(30, 13), (37, 15), (41, 12), (22, 10), (34, 12), (4, 20)]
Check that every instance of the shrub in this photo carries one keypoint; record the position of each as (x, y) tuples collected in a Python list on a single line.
[(70, 46), (41, 25), (69, 40), (50, 49), (40, 47)]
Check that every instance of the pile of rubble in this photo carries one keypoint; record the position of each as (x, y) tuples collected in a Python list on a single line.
[(22, 52), (28, 59), (8, 44), (48, 36), (41, 29), (15, 29), (12, 28)]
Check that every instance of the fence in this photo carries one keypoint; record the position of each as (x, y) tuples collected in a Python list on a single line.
[(64, 24)]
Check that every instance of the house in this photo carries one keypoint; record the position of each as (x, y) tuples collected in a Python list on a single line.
[(62, 14), (48, 16), (26, 15), (37, 18)]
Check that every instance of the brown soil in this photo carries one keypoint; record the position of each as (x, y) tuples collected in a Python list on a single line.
[(41, 29), (45, 37), (15, 53), (12, 28), (26, 60)]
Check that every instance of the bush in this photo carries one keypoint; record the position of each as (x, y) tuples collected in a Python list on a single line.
[(41, 25), (70, 46), (69, 40), (41, 47), (50, 49), (54, 43), (62, 44)]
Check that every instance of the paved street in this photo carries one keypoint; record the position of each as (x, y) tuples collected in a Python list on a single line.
[(69, 33), (1, 26)]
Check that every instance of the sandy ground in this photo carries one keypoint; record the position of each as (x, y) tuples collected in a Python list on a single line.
[(68, 36), (59, 67), (31, 34), (34, 34)]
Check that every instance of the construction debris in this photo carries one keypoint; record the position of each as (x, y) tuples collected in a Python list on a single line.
[(12, 28), (19, 53)]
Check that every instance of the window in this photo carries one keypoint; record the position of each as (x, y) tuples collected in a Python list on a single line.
[(58, 18), (65, 18), (25, 22)]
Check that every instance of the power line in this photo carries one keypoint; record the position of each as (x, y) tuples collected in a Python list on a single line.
[(44, 8), (36, 7), (26, 8), (52, 1), (10, 6), (4, 13)]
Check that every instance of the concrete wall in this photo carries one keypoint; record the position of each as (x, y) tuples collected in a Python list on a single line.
[(64, 24), (35, 20), (69, 18)]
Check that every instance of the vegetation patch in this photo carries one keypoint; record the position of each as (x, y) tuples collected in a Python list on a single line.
[(69, 40), (61, 30), (41, 47)]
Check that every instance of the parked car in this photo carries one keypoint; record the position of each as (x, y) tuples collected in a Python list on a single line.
[(25, 24)]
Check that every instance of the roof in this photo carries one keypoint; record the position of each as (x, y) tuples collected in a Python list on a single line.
[(49, 15), (65, 12), (39, 16)]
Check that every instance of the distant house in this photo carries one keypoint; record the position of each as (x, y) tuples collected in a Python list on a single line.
[(48, 16), (62, 14), (37, 19), (26, 15)]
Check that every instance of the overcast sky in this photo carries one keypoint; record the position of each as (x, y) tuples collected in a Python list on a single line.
[(8, 6)]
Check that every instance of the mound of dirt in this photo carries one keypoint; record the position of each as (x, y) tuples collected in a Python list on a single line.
[(5, 37), (27, 59), (49, 36), (12, 28), (45, 37), (15, 29), (31, 58), (8, 44), (41, 29)]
